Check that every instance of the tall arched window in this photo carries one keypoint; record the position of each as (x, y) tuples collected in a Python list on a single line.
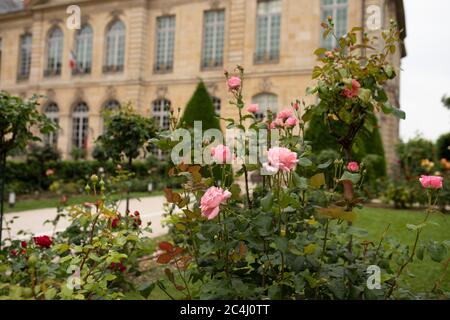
[(115, 47), (80, 125), (161, 113), (266, 101), (84, 50), (217, 105), (54, 52), (338, 9), (52, 112), (111, 105)]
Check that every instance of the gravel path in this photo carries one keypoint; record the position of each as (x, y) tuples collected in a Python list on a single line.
[(151, 210)]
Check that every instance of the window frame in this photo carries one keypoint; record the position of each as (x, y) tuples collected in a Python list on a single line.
[(263, 109), (215, 25), (80, 125), (54, 68), (51, 111), (267, 52), (21, 76), (88, 46), (116, 67), (167, 53), (334, 7)]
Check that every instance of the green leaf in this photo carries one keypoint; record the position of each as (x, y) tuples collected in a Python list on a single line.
[(389, 109), (320, 51), (437, 251), (304, 162), (353, 177), (308, 115), (420, 252), (325, 165), (317, 180), (267, 201), (50, 293), (300, 182), (364, 94)]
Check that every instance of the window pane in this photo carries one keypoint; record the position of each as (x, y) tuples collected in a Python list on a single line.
[(115, 47), (213, 38), (54, 51), (80, 125), (338, 9), (84, 50), (268, 31), (266, 101), (165, 39), (25, 56)]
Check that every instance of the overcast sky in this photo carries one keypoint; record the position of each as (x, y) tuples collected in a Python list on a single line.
[(426, 69)]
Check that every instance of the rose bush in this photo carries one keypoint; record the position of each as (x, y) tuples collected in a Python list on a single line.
[(96, 257), (291, 236)]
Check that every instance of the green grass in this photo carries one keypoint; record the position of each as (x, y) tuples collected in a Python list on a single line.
[(425, 272), (33, 204)]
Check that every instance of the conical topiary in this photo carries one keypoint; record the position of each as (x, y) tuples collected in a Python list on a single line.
[(200, 108)]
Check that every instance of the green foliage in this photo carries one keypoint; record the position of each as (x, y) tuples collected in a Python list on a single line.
[(446, 102), (443, 146), (96, 257), (412, 153), (200, 108), (30, 177), (366, 148), (126, 134), (18, 118)]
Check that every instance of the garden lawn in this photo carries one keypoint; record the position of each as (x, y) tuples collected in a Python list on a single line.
[(425, 272), (33, 204)]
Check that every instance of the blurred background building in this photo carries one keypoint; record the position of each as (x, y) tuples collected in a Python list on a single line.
[(152, 53)]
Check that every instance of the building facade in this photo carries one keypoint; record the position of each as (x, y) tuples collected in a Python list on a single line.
[(153, 52)]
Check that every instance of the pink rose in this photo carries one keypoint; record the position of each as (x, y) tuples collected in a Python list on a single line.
[(234, 83), (291, 122), (296, 106), (329, 54), (211, 201), (280, 159), (353, 166), (253, 108), (285, 114), (354, 91), (273, 125), (431, 182), (222, 154)]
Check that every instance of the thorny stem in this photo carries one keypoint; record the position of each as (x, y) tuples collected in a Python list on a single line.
[(413, 252)]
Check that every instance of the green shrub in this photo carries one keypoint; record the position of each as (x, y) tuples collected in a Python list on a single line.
[(443, 146), (365, 144)]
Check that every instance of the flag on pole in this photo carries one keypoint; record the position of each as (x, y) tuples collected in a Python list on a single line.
[(72, 60)]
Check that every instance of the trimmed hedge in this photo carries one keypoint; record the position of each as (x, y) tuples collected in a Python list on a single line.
[(29, 177)]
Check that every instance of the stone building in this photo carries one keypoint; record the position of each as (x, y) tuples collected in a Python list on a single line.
[(153, 52)]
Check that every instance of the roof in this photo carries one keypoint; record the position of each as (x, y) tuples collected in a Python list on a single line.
[(7, 6)]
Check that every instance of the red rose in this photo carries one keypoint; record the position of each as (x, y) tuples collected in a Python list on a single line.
[(118, 267), (13, 252), (23, 244), (23, 252), (43, 241), (115, 223)]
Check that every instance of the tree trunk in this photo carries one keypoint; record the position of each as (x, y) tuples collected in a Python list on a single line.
[(130, 166)]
